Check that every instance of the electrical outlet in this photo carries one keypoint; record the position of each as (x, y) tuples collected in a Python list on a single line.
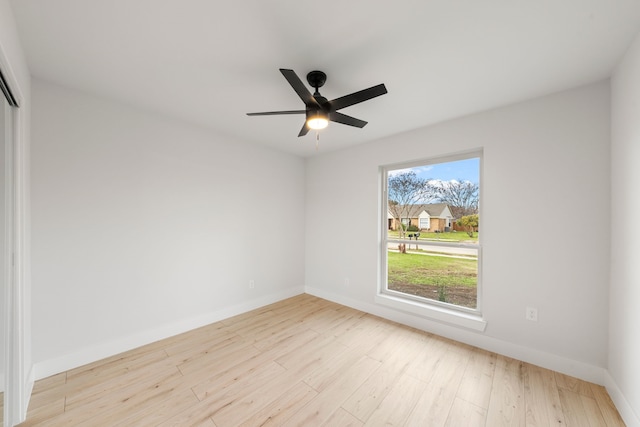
[(252, 284), (532, 314), (346, 282)]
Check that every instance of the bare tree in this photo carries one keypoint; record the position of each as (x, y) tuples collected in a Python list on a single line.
[(406, 192), (461, 196)]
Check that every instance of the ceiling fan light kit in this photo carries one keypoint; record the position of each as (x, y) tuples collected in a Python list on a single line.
[(317, 119), (318, 110)]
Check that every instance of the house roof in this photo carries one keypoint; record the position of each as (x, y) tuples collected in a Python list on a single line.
[(209, 62), (435, 210)]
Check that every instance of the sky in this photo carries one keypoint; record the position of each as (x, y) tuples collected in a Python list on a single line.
[(461, 170)]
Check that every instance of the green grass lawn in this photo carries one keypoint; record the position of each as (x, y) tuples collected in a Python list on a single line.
[(418, 269), (450, 236)]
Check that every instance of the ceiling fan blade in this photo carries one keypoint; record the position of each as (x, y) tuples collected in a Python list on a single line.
[(275, 113), (300, 88), (334, 116), (305, 129), (357, 97)]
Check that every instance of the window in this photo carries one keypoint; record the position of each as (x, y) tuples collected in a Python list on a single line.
[(430, 246), (424, 224)]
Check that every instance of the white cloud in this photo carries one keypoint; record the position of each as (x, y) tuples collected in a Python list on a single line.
[(418, 170)]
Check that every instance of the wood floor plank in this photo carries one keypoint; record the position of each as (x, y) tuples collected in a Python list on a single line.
[(466, 414), (506, 406), (367, 328), (241, 376), (426, 358), (99, 374), (542, 398), (49, 383), (118, 361), (477, 380), (238, 321), (398, 404), (341, 325), (592, 413), (320, 409), (436, 401), (201, 342), (386, 348), (50, 390), (607, 408), (306, 361), (261, 327), (42, 413), (230, 369), (282, 408), (288, 337), (113, 407), (574, 384), (320, 348), (327, 374), (364, 401), (160, 412), (342, 418), (259, 395), (196, 416), (240, 407), (574, 410), (217, 358), (120, 387)]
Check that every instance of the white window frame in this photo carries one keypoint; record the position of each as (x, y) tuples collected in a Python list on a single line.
[(425, 307), (427, 221)]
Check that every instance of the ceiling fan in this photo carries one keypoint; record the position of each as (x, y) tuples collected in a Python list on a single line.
[(319, 111)]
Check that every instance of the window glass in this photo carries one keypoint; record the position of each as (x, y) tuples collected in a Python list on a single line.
[(432, 232)]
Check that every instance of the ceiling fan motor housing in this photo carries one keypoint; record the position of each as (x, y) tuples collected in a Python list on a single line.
[(316, 79)]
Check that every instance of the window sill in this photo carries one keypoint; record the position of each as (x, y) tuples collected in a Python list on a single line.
[(452, 317)]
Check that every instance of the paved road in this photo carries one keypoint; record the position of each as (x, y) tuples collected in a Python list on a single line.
[(437, 248)]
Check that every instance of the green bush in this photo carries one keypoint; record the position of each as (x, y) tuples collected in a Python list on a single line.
[(413, 228), (442, 293), (469, 223)]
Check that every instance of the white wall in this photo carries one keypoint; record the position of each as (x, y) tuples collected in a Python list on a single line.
[(144, 227), (624, 335), (545, 223)]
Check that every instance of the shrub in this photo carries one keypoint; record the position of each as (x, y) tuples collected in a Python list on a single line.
[(413, 228), (442, 293), (469, 223)]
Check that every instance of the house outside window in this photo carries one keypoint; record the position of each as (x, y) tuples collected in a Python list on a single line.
[(437, 262)]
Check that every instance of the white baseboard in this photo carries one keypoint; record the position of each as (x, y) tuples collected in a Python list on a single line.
[(564, 365), (629, 416), (87, 355)]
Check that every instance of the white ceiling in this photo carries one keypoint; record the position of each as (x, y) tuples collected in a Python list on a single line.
[(210, 62)]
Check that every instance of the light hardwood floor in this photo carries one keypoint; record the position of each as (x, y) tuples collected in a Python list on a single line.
[(309, 362)]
